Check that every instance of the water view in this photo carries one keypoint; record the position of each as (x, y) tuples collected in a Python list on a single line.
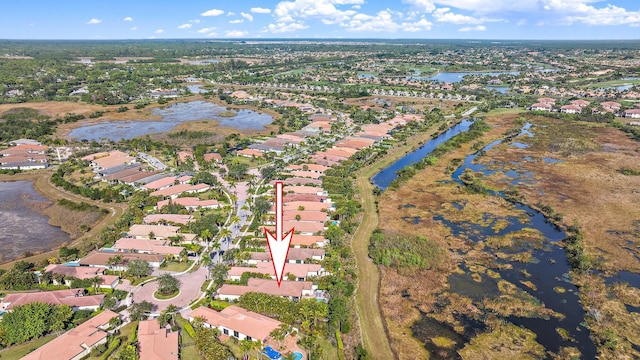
[(23, 227), (172, 115), (547, 272)]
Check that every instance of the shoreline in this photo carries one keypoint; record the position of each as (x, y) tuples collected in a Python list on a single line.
[(41, 184), (144, 115)]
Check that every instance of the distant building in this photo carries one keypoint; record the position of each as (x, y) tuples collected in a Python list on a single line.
[(74, 298), (541, 107), (237, 322), (570, 109)]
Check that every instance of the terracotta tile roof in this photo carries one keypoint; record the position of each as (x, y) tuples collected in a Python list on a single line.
[(81, 272), (174, 218), (308, 205), (295, 254), (149, 246), (58, 297), (301, 181), (189, 202), (306, 215), (156, 343), (179, 189), (154, 185), (307, 240), (75, 341), (100, 258), (268, 286), (299, 270), (308, 174), (213, 156), (238, 319), (250, 153), (303, 197), (113, 159), (160, 231)]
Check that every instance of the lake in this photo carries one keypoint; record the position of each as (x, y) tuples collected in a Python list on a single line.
[(454, 77), (23, 227), (171, 116)]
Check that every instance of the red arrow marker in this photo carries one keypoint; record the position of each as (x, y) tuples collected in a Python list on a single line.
[(279, 243)]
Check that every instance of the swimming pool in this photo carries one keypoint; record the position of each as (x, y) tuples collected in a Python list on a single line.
[(271, 354), (297, 355)]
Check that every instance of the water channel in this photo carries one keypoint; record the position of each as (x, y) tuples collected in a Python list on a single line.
[(548, 270), (172, 116)]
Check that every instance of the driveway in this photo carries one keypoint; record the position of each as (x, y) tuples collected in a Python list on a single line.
[(189, 290)]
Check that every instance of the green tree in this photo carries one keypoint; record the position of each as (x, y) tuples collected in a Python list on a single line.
[(137, 311), (138, 268), (238, 170), (219, 274), (115, 261), (59, 318), (208, 345), (127, 352), (167, 284)]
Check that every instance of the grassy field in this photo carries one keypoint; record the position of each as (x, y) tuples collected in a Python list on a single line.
[(18, 351), (371, 322), (178, 266), (41, 179), (605, 84)]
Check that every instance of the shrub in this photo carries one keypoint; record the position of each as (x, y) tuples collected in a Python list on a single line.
[(114, 345)]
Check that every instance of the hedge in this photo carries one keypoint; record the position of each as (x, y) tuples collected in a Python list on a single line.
[(114, 345)]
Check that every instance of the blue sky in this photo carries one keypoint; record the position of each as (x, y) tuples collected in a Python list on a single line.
[(422, 19)]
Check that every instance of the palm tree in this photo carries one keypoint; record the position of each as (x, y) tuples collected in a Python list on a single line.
[(116, 260), (246, 346), (225, 233), (206, 235), (96, 281)]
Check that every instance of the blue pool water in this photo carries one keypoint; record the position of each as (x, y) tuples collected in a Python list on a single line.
[(271, 354), (297, 355)]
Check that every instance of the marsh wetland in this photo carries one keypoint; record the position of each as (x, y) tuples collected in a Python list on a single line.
[(508, 217)]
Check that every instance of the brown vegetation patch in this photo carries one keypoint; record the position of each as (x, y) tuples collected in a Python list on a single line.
[(504, 342)]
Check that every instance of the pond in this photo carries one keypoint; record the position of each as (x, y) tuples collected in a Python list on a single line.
[(23, 227), (172, 116), (454, 77), (547, 271)]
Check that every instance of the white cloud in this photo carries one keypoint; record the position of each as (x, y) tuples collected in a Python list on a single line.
[(259, 10), (422, 5), (159, 31), (206, 30), (212, 34), (236, 33), (237, 21), (445, 15), (325, 10), (247, 16), (128, 18), (134, 28), (230, 13), (195, 21), (185, 26), (385, 20), (94, 21), (279, 28), (212, 12), (473, 28)]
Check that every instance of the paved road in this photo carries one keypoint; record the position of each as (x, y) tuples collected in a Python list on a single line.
[(189, 289)]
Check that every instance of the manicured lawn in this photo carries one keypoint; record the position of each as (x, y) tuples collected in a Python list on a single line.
[(136, 281), (178, 266), (605, 84), (159, 296), (328, 351), (187, 346), (21, 350), (124, 331)]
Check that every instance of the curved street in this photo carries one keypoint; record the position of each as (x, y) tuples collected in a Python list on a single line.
[(189, 289)]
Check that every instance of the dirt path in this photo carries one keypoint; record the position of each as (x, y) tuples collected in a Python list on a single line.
[(371, 322), (42, 182)]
